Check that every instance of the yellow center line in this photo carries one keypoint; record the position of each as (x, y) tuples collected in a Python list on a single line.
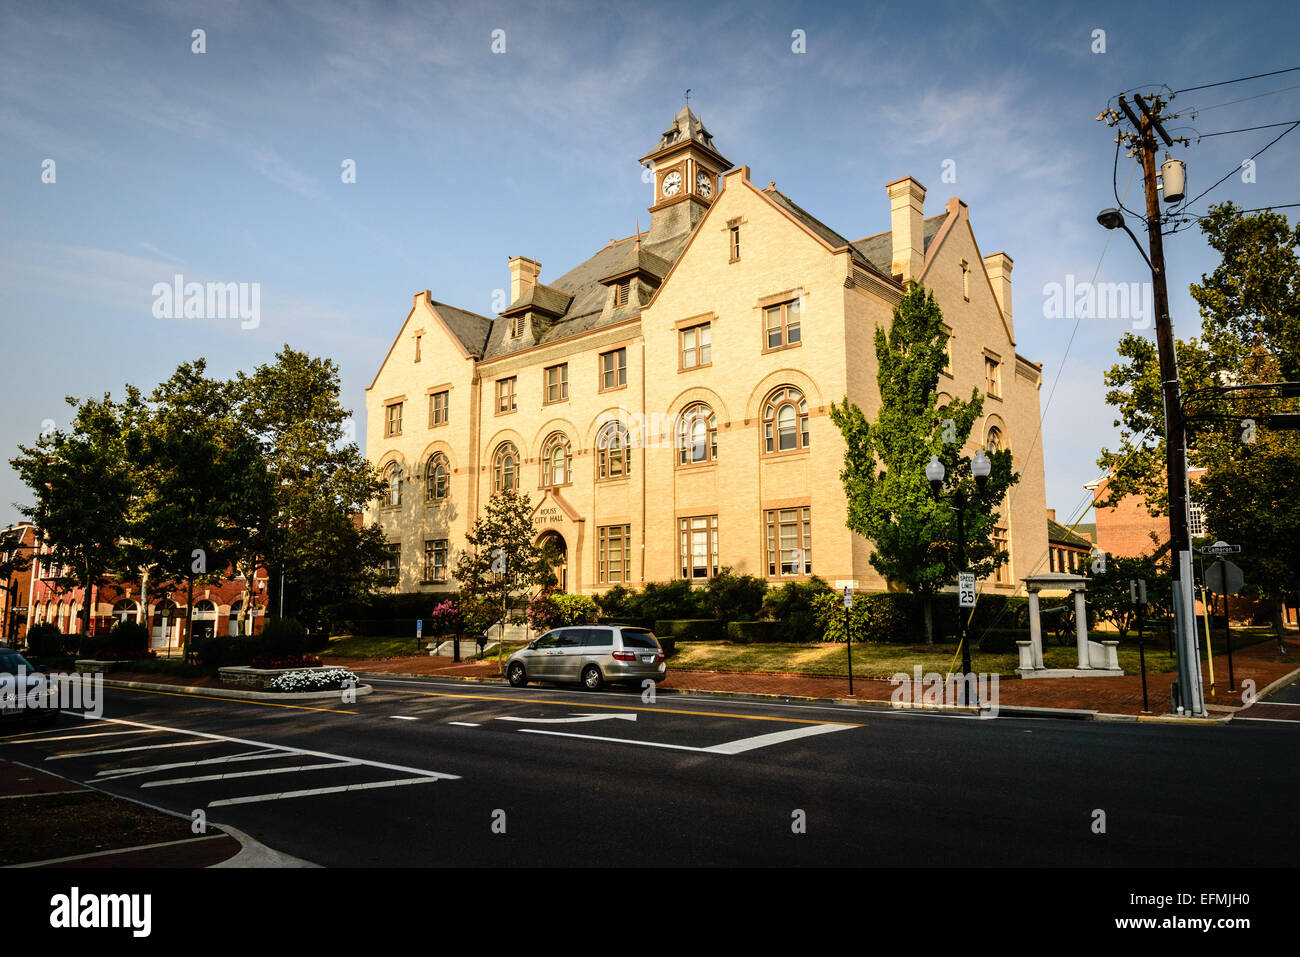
[(265, 704), (619, 707)]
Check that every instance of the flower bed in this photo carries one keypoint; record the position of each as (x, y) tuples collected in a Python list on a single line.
[(329, 679)]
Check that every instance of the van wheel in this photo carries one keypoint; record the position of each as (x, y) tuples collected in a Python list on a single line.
[(517, 676), (592, 679)]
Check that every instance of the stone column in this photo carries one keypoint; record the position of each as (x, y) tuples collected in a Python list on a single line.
[(1081, 627), (1035, 627)]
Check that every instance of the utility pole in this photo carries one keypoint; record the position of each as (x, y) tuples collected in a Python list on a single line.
[(1191, 694)]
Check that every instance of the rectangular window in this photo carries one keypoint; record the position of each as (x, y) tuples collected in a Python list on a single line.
[(781, 324), (697, 346), (393, 563), (505, 395), (435, 560), (438, 408), (613, 370), (734, 236), (557, 383), (621, 292), (992, 376), (789, 541), (417, 348), (517, 326), (394, 420), (614, 559), (1000, 541), (699, 546), (947, 351), (965, 280)]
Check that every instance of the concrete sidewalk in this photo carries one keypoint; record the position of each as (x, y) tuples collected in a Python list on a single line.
[(1259, 664)]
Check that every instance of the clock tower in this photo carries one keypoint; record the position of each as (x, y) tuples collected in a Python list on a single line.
[(686, 171)]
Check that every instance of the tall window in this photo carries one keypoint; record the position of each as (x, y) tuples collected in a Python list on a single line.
[(992, 376), (696, 346), (697, 435), (781, 324), (614, 555), (613, 457), (505, 395), (995, 442), (556, 460), (505, 467), (613, 369), (785, 420), (438, 404), (394, 479), (557, 382), (947, 351), (733, 237), (698, 546), (789, 541), (965, 280), (1000, 541), (393, 561), (436, 478), (435, 560), (394, 419)]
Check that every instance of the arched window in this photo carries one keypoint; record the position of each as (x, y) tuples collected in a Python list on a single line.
[(995, 441), (436, 477), (697, 435), (613, 456), (785, 420), (394, 479), (556, 460), (505, 467), (126, 610)]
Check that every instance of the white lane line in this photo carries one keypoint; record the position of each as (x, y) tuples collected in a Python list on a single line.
[(730, 747), (250, 774), (463, 724), (256, 798), (112, 774), (575, 719), (143, 747), (776, 737), (403, 717), (79, 737), (207, 736)]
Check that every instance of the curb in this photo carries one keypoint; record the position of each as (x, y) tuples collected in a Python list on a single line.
[(233, 693), (253, 853)]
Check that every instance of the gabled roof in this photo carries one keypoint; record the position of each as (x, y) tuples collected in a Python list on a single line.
[(879, 249), (823, 232), (540, 298), (469, 328), (638, 259)]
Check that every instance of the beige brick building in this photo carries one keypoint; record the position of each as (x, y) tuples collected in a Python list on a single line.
[(666, 402)]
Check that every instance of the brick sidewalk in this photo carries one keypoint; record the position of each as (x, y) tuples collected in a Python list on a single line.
[(1123, 695)]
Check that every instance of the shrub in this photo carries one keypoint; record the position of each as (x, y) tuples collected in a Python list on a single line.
[(45, 639), (225, 652), (755, 632), (281, 638), (127, 638), (619, 602), (668, 601), (690, 629), (332, 679), (830, 613), (792, 607), (732, 597)]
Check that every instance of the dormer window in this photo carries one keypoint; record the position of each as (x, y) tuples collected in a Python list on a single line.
[(517, 326), (622, 291)]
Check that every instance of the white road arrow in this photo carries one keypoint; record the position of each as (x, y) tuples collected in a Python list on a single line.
[(576, 719)]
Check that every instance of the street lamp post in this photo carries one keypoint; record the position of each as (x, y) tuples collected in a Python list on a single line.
[(980, 467)]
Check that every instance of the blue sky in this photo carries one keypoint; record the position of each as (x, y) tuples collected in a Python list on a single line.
[(225, 166)]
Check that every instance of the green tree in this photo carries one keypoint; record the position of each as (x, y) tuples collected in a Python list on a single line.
[(1250, 333), (914, 537), (502, 564), (85, 486)]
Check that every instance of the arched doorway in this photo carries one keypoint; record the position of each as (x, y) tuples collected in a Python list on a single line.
[(205, 619), (555, 541)]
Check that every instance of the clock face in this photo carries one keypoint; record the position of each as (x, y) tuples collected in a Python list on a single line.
[(672, 183), (703, 183)]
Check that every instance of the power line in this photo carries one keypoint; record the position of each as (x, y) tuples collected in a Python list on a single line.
[(1235, 169), (1240, 79), (1193, 110), (1246, 129)]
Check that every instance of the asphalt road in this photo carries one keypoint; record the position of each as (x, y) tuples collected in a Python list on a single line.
[(429, 773)]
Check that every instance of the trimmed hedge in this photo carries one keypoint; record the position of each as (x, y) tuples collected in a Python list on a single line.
[(691, 629), (758, 632)]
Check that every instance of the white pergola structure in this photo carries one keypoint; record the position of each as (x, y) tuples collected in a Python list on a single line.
[(1096, 658)]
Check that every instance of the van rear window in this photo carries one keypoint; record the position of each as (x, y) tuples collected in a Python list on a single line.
[(639, 638)]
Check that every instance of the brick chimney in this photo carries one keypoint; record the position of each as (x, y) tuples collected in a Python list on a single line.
[(998, 266), (1051, 514), (523, 276), (906, 216)]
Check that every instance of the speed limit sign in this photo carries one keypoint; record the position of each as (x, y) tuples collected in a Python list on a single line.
[(966, 589)]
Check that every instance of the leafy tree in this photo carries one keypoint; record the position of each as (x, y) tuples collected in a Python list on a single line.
[(503, 563), (1109, 598), (85, 487), (1250, 333), (889, 500), (732, 597)]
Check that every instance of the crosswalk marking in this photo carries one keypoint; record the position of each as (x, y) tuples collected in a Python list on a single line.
[(283, 795), (143, 747), (114, 773), (78, 737), (250, 774)]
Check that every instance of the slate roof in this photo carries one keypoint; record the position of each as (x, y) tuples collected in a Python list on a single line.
[(879, 249), (542, 298), (639, 259), (1058, 533), (468, 327), (686, 126)]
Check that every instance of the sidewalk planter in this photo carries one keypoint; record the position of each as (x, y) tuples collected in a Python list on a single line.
[(246, 676), (92, 666)]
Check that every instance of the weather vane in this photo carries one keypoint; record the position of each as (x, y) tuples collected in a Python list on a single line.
[(688, 97)]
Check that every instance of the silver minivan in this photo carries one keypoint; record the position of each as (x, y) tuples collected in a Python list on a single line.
[(592, 655)]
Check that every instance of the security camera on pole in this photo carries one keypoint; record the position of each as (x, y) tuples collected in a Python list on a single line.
[(1191, 694)]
